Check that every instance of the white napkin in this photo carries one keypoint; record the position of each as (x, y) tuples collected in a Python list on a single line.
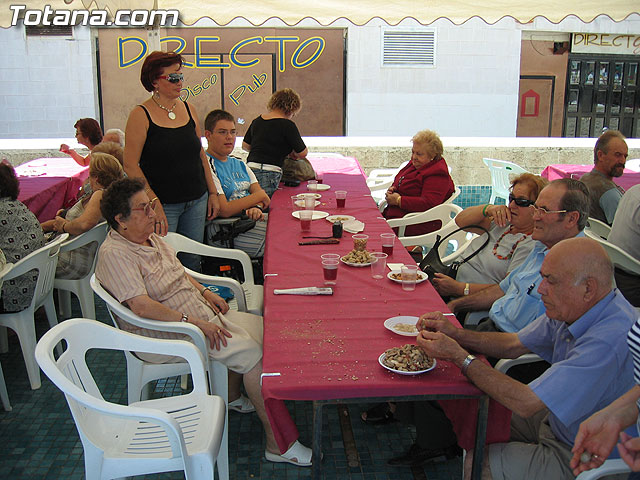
[(395, 267), (353, 226)]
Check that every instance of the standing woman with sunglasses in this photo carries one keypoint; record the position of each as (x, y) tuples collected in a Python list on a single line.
[(164, 148), (510, 228)]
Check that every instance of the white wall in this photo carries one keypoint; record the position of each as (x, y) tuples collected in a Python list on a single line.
[(47, 83), (472, 91)]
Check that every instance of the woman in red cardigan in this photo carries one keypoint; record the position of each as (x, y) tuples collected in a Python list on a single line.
[(424, 183)]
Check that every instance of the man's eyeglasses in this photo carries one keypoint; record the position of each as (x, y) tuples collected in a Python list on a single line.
[(148, 207), (543, 211), (520, 202), (173, 77)]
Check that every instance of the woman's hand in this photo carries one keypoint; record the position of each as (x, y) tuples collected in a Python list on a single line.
[(162, 225), (500, 214), (58, 223), (392, 198), (213, 206), (214, 333), (64, 148), (445, 285), (216, 301), (254, 213), (629, 448)]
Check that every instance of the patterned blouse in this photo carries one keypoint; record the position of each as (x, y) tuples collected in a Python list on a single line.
[(20, 235)]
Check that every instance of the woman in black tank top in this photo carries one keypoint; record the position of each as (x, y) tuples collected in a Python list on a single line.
[(163, 147)]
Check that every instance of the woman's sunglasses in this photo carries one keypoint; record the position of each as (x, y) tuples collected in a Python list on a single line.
[(173, 77), (520, 202)]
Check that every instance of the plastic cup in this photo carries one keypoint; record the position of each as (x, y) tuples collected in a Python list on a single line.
[(387, 240), (341, 198), (409, 274), (379, 264), (360, 241), (305, 219), (330, 271), (319, 177), (294, 204), (309, 202), (311, 184), (330, 256)]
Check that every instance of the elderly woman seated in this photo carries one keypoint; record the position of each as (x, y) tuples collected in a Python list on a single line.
[(509, 226), (83, 216), (142, 271), (424, 183)]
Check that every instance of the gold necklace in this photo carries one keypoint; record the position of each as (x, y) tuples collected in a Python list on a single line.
[(170, 114)]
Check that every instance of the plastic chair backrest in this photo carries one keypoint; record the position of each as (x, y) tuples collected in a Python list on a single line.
[(97, 234), (44, 260), (500, 182), (618, 256), (633, 164), (444, 212), (598, 227)]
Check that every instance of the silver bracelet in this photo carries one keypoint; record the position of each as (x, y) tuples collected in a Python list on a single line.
[(465, 365)]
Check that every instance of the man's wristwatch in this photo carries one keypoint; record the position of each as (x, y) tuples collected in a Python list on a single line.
[(465, 365), (184, 318), (466, 289)]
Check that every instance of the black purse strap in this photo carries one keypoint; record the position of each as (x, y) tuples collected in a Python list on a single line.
[(466, 259)]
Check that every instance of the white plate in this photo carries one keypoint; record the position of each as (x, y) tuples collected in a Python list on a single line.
[(343, 218), (300, 203), (390, 322), (356, 264), (421, 276), (318, 187), (314, 195), (402, 372), (317, 214)]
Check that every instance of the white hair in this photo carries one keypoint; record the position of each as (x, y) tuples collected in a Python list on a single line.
[(117, 132)]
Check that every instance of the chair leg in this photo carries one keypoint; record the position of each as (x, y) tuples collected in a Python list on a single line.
[(52, 317), (64, 303), (23, 324), (87, 304), (4, 395)]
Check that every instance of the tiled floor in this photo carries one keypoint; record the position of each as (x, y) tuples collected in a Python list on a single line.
[(40, 441)]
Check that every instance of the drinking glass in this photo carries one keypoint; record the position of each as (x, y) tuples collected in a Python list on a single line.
[(387, 240), (330, 271), (409, 274), (379, 264), (341, 198), (305, 219)]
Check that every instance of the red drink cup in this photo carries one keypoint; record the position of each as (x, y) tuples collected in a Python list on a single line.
[(305, 219), (387, 240), (330, 271), (341, 198), (388, 249)]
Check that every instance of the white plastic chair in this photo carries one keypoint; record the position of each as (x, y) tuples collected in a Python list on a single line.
[(618, 256), (633, 164), (44, 260), (383, 204), (161, 435), (140, 372), (80, 287), (500, 181), (4, 395), (249, 296), (598, 227), (380, 179)]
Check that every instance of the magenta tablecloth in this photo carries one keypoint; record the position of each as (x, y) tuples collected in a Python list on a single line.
[(327, 347), (49, 184), (553, 172)]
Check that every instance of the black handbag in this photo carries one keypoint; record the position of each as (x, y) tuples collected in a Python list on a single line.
[(431, 263)]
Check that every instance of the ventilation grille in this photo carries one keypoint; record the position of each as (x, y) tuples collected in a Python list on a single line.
[(49, 30), (414, 49)]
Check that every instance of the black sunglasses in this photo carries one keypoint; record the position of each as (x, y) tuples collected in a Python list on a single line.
[(521, 202), (173, 77)]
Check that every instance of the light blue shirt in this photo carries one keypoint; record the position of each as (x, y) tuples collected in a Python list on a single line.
[(232, 177), (591, 364), (521, 303)]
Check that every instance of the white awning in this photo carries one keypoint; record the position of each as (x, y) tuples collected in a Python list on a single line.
[(358, 12)]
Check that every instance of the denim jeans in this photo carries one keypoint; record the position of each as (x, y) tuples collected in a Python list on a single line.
[(268, 180), (188, 219)]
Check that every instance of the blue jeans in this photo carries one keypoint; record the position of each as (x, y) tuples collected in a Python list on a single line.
[(188, 219), (268, 180)]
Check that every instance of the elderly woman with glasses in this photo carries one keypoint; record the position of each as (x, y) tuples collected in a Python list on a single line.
[(164, 149), (142, 271), (509, 228), (422, 184)]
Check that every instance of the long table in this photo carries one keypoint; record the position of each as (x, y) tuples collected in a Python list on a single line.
[(325, 349), (49, 184), (552, 172)]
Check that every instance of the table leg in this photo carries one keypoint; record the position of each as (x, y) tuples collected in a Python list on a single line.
[(317, 439), (481, 435)]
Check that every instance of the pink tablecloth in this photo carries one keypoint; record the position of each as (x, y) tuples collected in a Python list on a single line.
[(553, 172), (327, 347), (49, 184)]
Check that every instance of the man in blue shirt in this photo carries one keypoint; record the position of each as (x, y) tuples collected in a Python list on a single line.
[(561, 211), (582, 334)]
